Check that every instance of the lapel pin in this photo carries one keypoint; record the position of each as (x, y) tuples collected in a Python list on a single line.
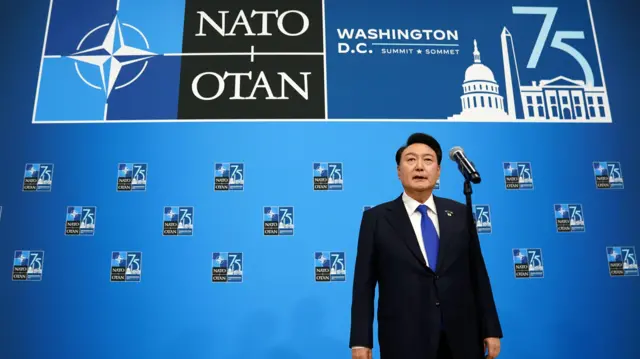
[(449, 213)]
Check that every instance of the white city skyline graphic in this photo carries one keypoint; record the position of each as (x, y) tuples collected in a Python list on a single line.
[(555, 99)]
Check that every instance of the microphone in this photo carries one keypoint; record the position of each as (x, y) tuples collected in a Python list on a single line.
[(465, 166)]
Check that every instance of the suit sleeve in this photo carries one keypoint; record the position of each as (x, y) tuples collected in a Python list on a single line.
[(364, 284), (488, 315)]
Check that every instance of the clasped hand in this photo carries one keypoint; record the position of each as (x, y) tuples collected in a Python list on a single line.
[(361, 353)]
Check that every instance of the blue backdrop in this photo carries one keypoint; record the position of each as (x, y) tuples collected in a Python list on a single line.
[(359, 109)]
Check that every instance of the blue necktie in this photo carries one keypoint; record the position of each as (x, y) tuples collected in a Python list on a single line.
[(429, 237)]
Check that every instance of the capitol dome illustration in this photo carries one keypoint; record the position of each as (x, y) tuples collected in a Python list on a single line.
[(481, 99)]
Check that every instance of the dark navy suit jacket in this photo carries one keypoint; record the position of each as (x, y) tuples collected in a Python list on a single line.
[(416, 303)]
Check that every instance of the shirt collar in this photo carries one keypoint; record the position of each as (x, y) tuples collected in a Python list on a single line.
[(412, 205)]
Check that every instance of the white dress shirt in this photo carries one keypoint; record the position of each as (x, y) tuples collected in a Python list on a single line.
[(416, 217), (411, 205)]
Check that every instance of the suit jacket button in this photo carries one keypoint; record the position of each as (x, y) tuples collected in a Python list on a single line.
[(437, 304), (437, 277)]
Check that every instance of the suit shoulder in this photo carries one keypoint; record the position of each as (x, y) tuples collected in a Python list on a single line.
[(452, 204), (380, 208)]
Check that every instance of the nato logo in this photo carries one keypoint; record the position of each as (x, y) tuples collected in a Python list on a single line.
[(518, 175), (482, 216), (327, 176), (126, 266), (608, 175), (278, 221), (28, 265), (528, 263), (569, 217), (622, 261), (227, 267), (229, 177), (178, 221), (38, 177), (437, 186), (80, 221), (330, 266), (132, 177), (117, 61)]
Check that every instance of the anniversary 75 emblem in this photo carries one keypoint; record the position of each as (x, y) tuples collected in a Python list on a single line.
[(178, 221), (28, 265)]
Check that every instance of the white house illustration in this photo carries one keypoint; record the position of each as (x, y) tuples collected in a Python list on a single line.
[(559, 98)]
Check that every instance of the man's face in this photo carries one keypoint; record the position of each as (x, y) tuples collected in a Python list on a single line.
[(419, 169)]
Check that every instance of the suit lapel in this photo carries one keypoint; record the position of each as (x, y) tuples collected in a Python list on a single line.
[(399, 219), (446, 222)]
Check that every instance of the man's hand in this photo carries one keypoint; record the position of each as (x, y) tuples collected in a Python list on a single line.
[(493, 346), (360, 353)]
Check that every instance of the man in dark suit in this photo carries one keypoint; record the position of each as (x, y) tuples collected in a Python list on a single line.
[(435, 298)]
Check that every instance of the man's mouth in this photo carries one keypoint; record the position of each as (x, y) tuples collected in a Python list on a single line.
[(418, 177)]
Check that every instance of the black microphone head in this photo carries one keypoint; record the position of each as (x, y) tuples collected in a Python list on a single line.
[(453, 151)]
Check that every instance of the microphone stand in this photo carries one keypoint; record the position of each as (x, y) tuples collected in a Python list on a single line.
[(471, 224), (468, 191)]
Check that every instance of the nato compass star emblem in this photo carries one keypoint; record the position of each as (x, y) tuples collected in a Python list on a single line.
[(111, 56)]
